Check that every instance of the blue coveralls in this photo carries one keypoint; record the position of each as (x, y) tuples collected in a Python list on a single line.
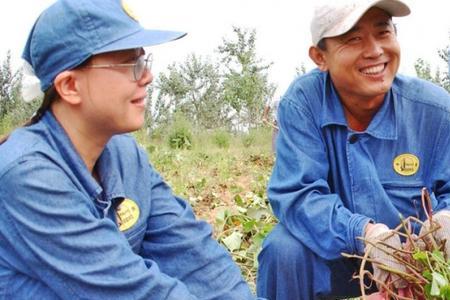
[(59, 233), (328, 181)]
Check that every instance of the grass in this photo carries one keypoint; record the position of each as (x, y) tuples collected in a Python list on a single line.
[(226, 186)]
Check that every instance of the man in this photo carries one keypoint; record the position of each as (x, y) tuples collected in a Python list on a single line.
[(357, 142)]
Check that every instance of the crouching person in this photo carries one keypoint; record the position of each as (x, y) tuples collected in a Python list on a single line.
[(83, 215), (357, 143)]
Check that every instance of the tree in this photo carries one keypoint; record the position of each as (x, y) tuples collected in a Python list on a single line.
[(423, 70), (246, 82), (300, 70), (444, 54), (13, 110), (193, 88), (9, 86)]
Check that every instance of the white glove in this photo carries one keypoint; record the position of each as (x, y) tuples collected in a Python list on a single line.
[(441, 219), (377, 237)]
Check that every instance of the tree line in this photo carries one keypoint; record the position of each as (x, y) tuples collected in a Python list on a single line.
[(441, 78), (227, 93)]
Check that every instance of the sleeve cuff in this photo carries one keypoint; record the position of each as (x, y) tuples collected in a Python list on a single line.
[(357, 224)]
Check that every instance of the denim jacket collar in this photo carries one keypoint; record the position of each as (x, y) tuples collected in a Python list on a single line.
[(110, 176), (382, 126), (112, 186)]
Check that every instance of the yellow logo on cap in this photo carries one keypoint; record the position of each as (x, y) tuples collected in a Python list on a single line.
[(127, 214), (406, 164), (126, 7)]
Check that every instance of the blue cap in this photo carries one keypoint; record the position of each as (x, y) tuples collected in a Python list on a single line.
[(70, 31)]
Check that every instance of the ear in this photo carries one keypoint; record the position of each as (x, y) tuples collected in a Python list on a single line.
[(318, 57), (66, 85)]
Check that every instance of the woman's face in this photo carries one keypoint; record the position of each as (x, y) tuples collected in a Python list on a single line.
[(113, 101)]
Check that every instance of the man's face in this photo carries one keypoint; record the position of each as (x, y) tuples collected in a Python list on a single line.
[(363, 62)]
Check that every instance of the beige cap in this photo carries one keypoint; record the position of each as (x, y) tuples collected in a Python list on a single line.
[(335, 17)]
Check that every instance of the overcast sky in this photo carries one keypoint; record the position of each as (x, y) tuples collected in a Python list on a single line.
[(282, 28)]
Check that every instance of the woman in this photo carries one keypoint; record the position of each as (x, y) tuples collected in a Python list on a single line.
[(82, 213)]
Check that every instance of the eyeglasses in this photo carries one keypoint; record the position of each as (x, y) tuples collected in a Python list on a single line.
[(142, 63)]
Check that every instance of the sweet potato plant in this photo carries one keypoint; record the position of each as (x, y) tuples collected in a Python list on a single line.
[(427, 267)]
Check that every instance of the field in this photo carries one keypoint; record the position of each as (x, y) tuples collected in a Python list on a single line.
[(224, 179)]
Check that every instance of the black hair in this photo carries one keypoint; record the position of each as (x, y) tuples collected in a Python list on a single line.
[(322, 45)]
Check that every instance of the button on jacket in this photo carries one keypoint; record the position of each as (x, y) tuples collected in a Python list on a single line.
[(59, 234), (329, 181)]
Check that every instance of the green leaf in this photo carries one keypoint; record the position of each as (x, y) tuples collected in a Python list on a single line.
[(249, 225), (242, 210), (239, 201), (233, 241), (257, 213), (427, 274), (258, 239), (267, 228), (221, 218), (222, 215), (441, 280), (420, 256), (438, 256), (438, 282), (427, 289), (445, 292)]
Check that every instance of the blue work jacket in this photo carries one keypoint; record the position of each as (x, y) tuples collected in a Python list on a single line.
[(329, 181), (64, 236)]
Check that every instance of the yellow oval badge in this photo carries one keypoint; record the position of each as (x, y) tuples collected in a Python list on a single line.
[(126, 7), (127, 214), (406, 164)]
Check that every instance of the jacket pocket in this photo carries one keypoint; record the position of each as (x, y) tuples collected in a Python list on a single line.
[(135, 237), (406, 196)]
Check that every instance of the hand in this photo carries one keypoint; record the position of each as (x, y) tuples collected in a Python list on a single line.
[(381, 243), (442, 219)]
